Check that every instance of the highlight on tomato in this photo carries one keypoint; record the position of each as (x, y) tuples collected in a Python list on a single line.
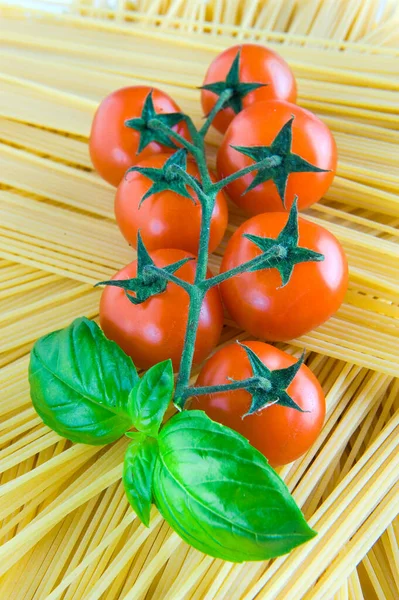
[(280, 432), (153, 200), (251, 73), (114, 146), (261, 303), (299, 154), (154, 330)]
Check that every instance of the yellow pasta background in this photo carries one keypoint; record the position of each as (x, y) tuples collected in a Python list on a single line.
[(66, 530)]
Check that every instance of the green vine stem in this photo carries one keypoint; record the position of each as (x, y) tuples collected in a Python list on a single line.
[(213, 389), (268, 162), (224, 96), (261, 260)]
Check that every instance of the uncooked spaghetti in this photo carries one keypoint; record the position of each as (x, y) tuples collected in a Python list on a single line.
[(66, 529)]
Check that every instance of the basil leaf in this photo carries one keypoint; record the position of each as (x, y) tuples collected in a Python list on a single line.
[(220, 494), (149, 400), (138, 473), (80, 382)]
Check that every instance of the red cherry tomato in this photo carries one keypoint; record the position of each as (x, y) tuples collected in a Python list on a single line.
[(256, 300), (165, 219), (259, 125), (113, 146), (282, 434), (257, 65), (154, 330)]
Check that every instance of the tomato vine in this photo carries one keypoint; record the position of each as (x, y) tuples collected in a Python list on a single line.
[(282, 253)]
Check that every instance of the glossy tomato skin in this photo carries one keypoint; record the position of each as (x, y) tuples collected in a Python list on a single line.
[(258, 125), (256, 300), (258, 64), (113, 146), (154, 330), (282, 434), (166, 219)]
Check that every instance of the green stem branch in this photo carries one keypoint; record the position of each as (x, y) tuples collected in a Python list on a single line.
[(214, 389), (192, 129), (157, 125), (202, 264), (183, 378), (268, 162), (203, 167), (191, 181), (224, 96), (243, 268)]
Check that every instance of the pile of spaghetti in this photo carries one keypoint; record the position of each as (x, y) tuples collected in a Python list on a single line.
[(66, 528)]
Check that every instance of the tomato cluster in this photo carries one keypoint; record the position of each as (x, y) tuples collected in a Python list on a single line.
[(296, 152)]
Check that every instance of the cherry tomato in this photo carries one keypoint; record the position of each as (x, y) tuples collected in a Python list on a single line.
[(315, 291), (311, 143), (154, 330), (113, 146), (257, 64), (165, 219), (282, 434)]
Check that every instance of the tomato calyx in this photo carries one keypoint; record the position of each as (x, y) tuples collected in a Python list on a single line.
[(232, 89), (270, 386), (150, 280), (167, 178), (287, 253), (279, 171), (143, 125)]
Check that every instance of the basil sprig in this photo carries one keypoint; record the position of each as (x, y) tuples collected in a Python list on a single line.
[(212, 487), (80, 383)]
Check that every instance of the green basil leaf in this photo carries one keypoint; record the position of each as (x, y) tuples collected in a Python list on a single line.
[(80, 383), (138, 473), (149, 400), (221, 495)]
